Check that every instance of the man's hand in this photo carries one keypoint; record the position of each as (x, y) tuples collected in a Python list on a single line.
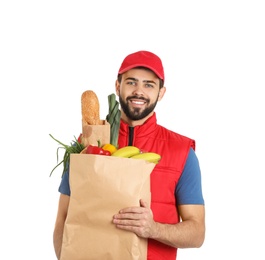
[(136, 219)]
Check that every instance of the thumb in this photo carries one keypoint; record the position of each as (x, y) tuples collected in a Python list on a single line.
[(143, 203)]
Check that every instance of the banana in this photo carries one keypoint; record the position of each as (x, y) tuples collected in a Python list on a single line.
[(126, 151), (148, 156)]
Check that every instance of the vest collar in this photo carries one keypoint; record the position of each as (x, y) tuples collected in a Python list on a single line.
[(145, 129)]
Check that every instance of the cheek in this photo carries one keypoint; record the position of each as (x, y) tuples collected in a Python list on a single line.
[(121, 92), (155, 97)]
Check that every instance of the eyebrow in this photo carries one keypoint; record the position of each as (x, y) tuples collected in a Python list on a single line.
[(137, 80)]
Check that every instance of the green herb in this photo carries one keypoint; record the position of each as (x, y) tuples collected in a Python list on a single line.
[(113, 119), (74, 147)]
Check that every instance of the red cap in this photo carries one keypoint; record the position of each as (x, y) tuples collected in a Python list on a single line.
[(143, 59)]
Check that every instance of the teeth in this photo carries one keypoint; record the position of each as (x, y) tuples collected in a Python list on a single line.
[(138, 102)]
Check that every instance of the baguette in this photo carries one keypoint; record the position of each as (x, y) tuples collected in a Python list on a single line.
[(90, 108)]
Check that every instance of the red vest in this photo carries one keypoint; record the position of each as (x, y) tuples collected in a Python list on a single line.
[(174, 149)]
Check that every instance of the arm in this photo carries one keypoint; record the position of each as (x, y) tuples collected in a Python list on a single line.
[(188, 233), (59, 224)]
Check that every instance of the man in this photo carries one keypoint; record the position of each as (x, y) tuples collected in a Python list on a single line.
[(176, 217)]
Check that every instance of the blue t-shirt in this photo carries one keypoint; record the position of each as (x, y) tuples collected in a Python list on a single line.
[(188, 189)]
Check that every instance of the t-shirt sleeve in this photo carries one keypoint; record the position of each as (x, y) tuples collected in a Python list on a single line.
[(189, 188), (64, 187)]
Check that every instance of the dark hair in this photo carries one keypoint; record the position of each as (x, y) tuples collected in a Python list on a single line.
[(161, 81)]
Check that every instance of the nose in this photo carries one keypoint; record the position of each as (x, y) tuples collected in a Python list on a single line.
[(138, 90)]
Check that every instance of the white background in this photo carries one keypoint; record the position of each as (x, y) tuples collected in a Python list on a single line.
[(214, 59)]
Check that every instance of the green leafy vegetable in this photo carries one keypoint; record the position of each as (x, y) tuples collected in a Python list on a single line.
[(74, 147), (113, 119)]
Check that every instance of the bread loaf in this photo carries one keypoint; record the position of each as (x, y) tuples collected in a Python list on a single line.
[(90, 108)]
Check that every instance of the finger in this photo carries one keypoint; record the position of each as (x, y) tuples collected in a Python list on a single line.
[(131, 210), (127, 222), (128, 216), (143, 203)]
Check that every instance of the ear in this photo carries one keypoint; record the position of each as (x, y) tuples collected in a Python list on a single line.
[(117, 87), (162, 92)]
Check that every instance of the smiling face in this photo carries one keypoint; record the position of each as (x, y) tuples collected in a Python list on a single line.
[(138, 94)]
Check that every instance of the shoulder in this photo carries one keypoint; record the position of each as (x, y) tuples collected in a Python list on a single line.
[(175, 137)]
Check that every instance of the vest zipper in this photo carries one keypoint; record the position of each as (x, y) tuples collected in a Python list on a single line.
[(131, 132)]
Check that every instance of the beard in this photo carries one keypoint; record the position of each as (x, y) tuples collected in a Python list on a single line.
[(136, 113)]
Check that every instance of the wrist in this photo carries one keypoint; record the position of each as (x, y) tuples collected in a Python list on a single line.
[(156, 230)]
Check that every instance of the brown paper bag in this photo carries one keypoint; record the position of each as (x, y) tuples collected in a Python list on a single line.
[(91, 134), (100, 187)]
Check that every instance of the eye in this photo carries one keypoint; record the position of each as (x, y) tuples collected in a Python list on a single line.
[(132, 83), (149, 85)]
